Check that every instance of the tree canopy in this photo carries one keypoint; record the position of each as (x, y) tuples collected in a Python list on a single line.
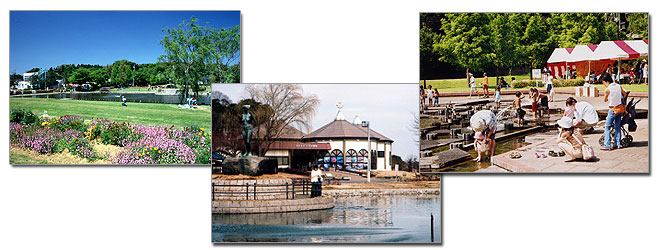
[(199, 53), (487, 41)]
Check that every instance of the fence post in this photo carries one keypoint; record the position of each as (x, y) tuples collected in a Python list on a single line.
[(212, 191), (287, 191), (431, 227), (255, 190), (247, 191), (293, 190)]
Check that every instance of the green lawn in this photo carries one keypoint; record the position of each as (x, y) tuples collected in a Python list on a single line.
[(629, 87), (460, 85), (151, 114)]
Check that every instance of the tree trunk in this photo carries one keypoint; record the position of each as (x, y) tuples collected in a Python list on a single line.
[(467, 75)]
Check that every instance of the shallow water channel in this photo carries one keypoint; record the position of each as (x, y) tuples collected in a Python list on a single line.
[(110, 96), (352, 220)]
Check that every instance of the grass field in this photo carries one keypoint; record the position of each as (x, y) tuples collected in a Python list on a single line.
[(151, 114), (629, 87), (460, 85)]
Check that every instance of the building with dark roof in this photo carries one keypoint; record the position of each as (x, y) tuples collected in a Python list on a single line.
[(339, 144)]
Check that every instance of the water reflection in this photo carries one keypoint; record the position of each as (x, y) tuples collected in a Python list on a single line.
[(354, 220), (130, 97)]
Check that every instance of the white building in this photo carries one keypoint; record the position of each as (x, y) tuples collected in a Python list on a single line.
[(339, 144)]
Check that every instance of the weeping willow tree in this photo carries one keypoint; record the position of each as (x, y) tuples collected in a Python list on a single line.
[(290, 107)]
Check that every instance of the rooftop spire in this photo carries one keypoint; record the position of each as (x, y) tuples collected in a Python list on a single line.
[(340, 115)]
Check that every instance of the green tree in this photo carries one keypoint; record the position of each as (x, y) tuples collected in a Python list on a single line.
[(536, 42), (225, 50), (504, 42), (121, 73), (100, 77), (14, 79), (80, 76), (638, 26), (465, 42), (187, 48)]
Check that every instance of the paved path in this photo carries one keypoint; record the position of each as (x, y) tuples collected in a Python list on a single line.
[(633, 159)]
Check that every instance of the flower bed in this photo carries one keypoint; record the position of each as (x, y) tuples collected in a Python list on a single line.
[(139, 144)]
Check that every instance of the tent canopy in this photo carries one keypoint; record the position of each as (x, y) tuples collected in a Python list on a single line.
[(559, 55), (617, 50), (582, 53)]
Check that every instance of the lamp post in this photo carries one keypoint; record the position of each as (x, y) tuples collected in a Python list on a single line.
[(366, 124), (133, 75)]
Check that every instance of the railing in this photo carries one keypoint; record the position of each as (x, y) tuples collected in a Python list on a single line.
[(250, 190)]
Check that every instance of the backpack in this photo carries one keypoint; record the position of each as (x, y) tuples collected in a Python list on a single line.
[(587, 152)]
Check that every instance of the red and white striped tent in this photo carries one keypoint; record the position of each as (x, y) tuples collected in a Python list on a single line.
[(587, 58), (557, 62), (621, 50)]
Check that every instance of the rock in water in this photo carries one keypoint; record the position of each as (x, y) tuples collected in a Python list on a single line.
[(249, 165)]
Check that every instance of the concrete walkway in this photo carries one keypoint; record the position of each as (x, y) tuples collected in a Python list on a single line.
[(633, 159)]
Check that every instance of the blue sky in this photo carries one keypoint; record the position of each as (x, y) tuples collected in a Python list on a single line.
[(386, 106), (47, 39)]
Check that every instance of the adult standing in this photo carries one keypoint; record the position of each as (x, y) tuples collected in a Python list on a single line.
[(485, 85), (473, 85), (316, 181), (484, 123), (548, 86), (645, 72), (613, 95), (429, 95)]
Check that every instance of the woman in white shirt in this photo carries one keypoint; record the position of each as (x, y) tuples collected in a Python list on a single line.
[(316, 178), (613, 95), (584, 113)]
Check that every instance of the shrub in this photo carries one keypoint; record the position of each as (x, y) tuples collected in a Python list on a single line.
[(22, 116), (523, 83), (115, 133), (42, 140), (67, 122), (81, 147), (568, 82)]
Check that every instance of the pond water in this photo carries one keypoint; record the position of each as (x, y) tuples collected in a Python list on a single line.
[(116, 97), (352, 220), (500, 147)]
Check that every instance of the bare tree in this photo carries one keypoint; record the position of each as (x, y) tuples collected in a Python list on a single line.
[(290, 108)]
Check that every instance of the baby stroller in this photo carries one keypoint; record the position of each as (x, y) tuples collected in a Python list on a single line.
[(627, 118)]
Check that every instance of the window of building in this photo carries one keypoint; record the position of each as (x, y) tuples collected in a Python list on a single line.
[(381, 153)]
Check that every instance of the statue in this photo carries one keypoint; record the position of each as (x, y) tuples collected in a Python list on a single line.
[(246, 164), (247, 129)]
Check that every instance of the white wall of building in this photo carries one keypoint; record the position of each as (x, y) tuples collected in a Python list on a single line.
[(382, 163)]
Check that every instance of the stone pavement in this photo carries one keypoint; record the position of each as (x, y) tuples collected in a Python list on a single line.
[(633, 159)]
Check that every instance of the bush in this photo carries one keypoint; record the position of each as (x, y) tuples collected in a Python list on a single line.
[(81, 147), (24, 117), (42, 140), (115, 133), (568, 82), (523, 83), (67, 122)]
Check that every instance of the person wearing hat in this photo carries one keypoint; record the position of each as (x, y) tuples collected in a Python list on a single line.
[(473, 85), (567, 141), (645, 72), (484, 123)]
